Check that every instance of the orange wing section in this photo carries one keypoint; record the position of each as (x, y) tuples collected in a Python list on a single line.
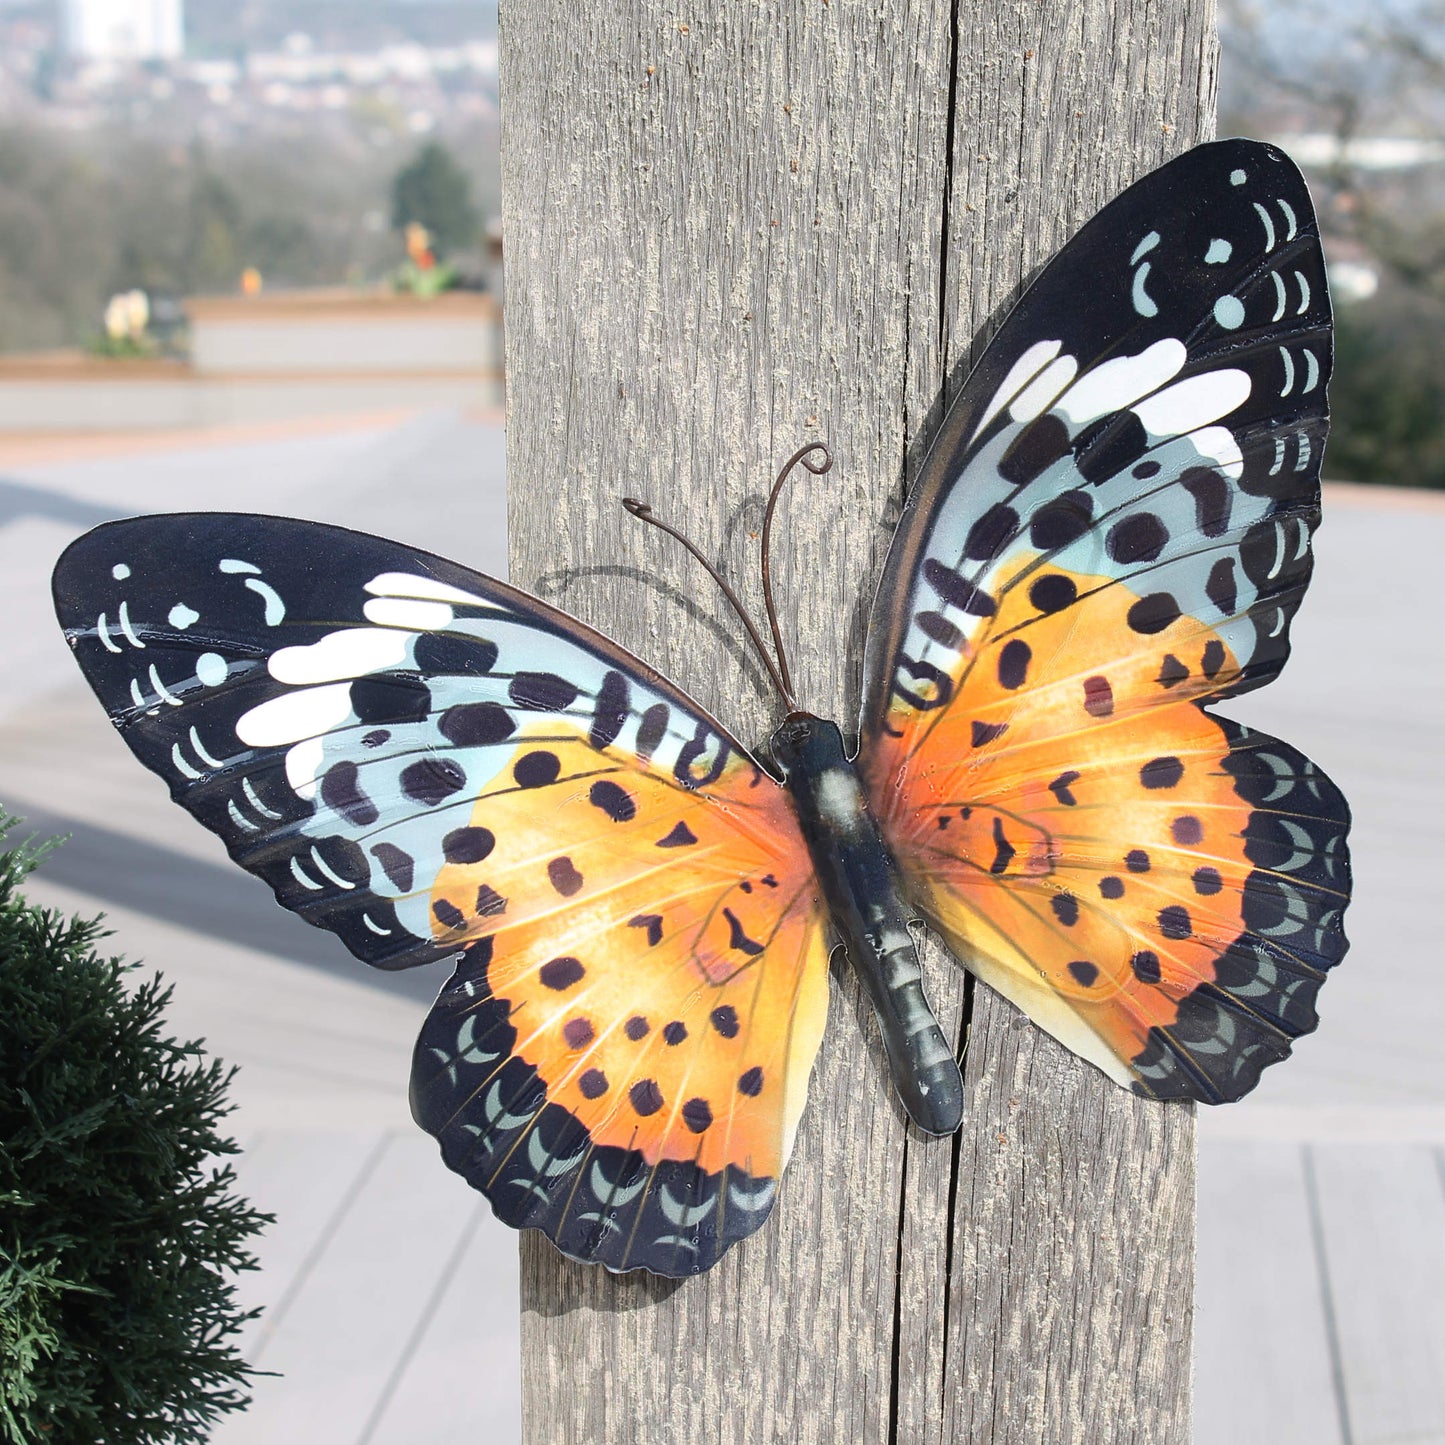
[(661, 953), (1156, 887)]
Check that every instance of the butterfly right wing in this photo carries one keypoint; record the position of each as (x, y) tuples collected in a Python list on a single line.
[(429, 764), (1112, 530)]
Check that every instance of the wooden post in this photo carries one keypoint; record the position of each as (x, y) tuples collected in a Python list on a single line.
[(730, 229)]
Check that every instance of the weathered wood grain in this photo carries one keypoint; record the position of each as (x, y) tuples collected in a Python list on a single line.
[(731, 230)]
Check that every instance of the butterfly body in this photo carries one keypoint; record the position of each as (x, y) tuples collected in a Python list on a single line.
[(859, 881), (1110, 535)]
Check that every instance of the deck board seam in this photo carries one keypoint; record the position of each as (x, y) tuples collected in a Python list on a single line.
[(448, 1274), (272, 1317), (1327, 1298)]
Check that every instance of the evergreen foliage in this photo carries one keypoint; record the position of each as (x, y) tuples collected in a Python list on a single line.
[(433, 190), (117, 1228)]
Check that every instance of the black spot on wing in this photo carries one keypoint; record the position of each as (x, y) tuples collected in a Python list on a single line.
[(448, 914), (389, 698), (1211, 493), (560, 974), (957, 590), (1221, 587), (490, 903), (616, 802), (1139, 537), (1153, 613), (1061, 788), (1172, 672), (1162, 772), (542, 692), (614, 699), (1036, 448), (450, 654), (1063, 520), (725, 1021), (468, 845), (1110, 445), (652, 922), (937, 627), (476, 724), (563, 875), (739, 939), (652, 729), (397, 864), (1013, 663), (991, 533), (341, 791), (1003, 850), (1053, 592), (537, 769), (432, 780)]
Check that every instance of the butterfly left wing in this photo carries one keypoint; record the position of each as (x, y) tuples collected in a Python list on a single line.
[(433, 765), (1113, 529)]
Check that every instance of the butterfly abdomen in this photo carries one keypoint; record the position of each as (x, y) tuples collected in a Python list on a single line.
[(859, 884)]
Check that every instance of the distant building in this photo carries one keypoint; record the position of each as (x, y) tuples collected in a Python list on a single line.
[(123, 29)]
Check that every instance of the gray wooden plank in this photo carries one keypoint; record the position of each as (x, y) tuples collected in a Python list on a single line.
[(1382, 1222), (1263, 1372), (307, 1181), (725, 236), (364, 1296), (461, 1380)]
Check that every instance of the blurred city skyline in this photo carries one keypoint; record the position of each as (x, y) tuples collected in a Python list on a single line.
[(214, 68)]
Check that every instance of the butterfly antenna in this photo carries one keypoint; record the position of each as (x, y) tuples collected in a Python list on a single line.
[(643, 512), (782, 679), (817, 465)]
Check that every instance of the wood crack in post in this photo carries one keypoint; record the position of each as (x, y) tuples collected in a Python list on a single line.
[(896, 1356), (948, 186)]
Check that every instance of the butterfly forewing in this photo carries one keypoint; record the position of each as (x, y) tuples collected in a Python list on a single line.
[(1113, 528), (433, 765)]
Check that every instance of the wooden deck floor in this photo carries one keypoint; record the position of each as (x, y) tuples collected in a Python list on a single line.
[(1321, 1295), (390, 1300), (391, 1293)]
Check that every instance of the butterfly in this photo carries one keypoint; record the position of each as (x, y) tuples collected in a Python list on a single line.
[(1110, 532)]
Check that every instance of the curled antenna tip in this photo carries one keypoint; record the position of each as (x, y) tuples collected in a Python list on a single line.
[(821, 465)]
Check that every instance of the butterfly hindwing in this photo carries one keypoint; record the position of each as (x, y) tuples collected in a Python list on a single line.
[(434, 765), (1112, 529)]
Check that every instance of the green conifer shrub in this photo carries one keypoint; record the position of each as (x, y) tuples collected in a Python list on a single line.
[(117, 1227)]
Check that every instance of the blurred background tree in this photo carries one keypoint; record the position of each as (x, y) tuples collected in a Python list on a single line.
[(282, 140), (1357, 95), (433, 191)]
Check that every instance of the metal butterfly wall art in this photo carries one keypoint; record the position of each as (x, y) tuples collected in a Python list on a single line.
[(1111, 531)]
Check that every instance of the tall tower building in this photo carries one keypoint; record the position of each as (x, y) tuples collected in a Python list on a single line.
[(123, 29)]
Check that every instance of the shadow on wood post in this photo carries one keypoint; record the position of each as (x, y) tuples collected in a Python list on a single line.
[(730, 231)]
